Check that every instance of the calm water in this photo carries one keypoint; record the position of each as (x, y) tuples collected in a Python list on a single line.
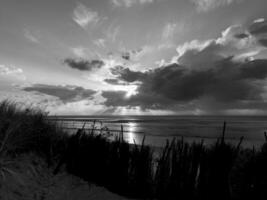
[(158, 129)]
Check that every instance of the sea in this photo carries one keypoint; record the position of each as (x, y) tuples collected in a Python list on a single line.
[(157, 130)]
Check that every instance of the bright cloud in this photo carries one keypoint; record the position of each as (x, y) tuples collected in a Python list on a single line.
[(12, 72), (259, 20), (235, 41), (129, 3), (84, 16), (5, 70), (206, 5), (31, 37)]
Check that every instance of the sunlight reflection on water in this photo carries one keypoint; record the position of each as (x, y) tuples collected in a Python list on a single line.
[(131, 132)]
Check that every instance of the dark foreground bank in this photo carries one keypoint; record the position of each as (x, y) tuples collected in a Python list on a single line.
[(179, 171)]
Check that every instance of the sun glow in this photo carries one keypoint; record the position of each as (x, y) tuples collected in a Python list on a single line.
[(129, 89)]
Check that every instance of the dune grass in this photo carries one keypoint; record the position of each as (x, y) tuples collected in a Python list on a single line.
[(24, 130), (179, 171)]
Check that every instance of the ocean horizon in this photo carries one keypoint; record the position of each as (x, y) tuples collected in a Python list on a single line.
[(159, 129)]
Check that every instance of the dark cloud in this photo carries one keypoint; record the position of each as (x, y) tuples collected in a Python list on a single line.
[(259, 31), (203, 56), (115, 82), (223, 82), (227, 82), (84, 65), (258, 28), (263, 42), (126, 56), (64, 93), (132, 54), (112, 81), (242, 35), (214, 74), (256, 70), (125, 74)]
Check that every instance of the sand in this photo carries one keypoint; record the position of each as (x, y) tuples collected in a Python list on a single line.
[(28, 177)]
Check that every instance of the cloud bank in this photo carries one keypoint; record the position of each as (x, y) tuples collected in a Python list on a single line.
[(225, 75), (217, 75), (64, 93)]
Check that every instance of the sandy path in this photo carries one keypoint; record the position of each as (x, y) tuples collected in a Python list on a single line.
[(28, 178)]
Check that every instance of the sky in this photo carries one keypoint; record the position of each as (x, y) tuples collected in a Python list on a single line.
[(135, 57)]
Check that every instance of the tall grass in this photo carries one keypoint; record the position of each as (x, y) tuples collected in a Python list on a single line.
[(180, 170), (25, 130)]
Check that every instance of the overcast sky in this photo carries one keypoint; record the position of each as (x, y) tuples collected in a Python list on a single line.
[(135, 56)]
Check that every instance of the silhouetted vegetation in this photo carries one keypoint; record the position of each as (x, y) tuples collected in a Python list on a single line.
[(178, 171), (25, 130)]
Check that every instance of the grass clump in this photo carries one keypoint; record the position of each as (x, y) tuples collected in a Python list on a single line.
[(24, 130)]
